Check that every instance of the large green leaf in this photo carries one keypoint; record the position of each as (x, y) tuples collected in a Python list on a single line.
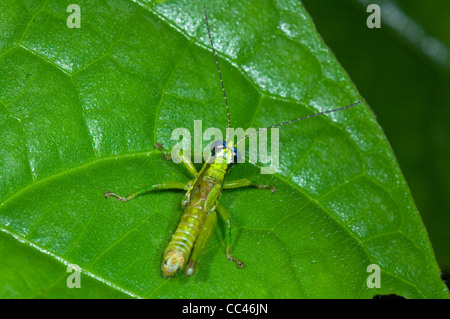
[(412, 111), (81, 109)]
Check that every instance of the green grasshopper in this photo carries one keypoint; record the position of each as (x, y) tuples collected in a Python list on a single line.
[(201, 200)]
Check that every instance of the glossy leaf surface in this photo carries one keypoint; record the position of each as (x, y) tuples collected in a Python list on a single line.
[(82, 108)]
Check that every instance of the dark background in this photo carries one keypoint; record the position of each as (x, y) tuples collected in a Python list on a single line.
[(403, 70)]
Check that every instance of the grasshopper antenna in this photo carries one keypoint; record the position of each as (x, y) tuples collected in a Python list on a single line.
[(218, 70), (299, 119)]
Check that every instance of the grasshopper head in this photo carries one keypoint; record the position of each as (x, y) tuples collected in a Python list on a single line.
[(225, 152)]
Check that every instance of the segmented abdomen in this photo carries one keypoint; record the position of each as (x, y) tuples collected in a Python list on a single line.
[(187, 231)]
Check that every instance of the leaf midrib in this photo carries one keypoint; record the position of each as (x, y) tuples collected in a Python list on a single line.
[(86, 165)]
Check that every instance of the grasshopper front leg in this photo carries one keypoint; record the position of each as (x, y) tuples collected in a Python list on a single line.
[(247, 183), (186, 161)]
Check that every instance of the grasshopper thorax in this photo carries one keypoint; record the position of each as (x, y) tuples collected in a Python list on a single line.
[(225, 152)]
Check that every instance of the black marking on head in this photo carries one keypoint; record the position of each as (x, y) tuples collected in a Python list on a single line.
[(218, 146)]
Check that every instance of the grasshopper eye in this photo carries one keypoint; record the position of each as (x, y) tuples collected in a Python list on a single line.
[(217, 146)]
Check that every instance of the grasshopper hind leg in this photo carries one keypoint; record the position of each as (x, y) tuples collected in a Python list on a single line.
[(227, 219), (156, 187), (203, 239)]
